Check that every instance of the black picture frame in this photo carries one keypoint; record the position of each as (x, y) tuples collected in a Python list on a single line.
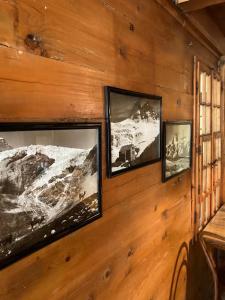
[(164, 165), (31, 247), (108, 112)]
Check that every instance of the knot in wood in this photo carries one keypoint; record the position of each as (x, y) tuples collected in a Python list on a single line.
[(107, 273), (33, 41), (67, 259), (130, 252), (178, 101), (132, 27)]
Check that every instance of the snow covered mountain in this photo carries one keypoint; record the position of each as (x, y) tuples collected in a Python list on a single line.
[(40, 185), (45, 182), (137, 131)]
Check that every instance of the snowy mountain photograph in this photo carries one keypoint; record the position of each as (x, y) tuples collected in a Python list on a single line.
[(49, 184), (177, 148), (134, 122)]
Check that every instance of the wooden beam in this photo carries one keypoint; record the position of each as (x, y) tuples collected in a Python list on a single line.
[(193, 5)]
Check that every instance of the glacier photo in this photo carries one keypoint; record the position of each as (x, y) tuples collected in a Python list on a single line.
[(44, 190)]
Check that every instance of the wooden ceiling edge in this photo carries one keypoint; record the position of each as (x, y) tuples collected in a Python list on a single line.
[(208, 38), (189, 25), (193, 5)]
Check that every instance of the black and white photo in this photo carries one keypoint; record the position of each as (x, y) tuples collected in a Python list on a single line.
[(177, 148), (133, 129), (50, 183)]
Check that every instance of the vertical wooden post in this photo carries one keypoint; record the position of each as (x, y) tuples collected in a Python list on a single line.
[(222, 74), (193, 182), (197, 141)]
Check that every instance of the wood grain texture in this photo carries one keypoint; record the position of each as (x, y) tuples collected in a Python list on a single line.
[(136, 250)]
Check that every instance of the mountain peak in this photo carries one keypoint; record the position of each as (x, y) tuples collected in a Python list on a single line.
[(143, 111), (4, 145)]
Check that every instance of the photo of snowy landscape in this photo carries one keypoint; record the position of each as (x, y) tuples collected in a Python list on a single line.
[(177, 148), (135, 123), (49, 183)]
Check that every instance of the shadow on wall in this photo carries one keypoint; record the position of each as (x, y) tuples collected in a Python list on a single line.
[(179, 274), (191, 268)]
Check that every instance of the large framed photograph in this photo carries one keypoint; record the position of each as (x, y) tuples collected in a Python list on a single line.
[(177, 145), (50, 183), (133, 123)]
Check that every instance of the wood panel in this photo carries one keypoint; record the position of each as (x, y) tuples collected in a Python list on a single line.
[(55, 58)]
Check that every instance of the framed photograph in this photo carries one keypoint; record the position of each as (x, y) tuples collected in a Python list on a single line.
[(50, 183), (133, 130), (177, 143)]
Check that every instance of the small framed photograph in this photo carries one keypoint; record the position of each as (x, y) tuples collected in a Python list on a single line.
[(133, 122), (177, 148), (50, 183)]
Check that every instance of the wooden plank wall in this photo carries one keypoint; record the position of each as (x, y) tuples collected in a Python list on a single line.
[(136, 250)]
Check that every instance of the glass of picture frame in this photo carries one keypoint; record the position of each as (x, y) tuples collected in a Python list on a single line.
[(133, 123), (50, 183), (177, 148)]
